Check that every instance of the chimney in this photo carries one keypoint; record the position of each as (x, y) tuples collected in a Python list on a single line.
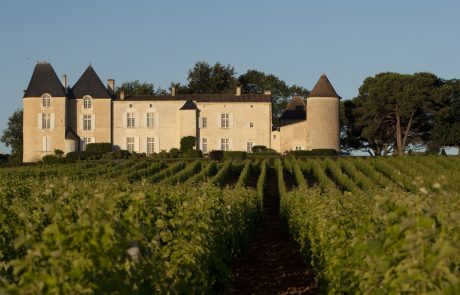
[(238, 91), (64, 81), (173, 91), (267, 92), (111, 84), (122, 95)]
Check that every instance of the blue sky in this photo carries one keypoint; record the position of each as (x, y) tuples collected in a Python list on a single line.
[(159, 41)]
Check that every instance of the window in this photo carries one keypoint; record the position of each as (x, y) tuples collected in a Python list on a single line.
[(131, 120), (249, 146), (298, 148), (86, 141), (204, 122), (150, 120), (87, 122), (224, 120), (251, 125), (204, 145), (224, 144), (150, 105), (150, 145), (46, 121), (130, 144), (46, 101), (46, 144), (86, 102)]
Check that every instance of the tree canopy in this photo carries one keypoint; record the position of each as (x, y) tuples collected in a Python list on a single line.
[(12, 135), (137, 88)]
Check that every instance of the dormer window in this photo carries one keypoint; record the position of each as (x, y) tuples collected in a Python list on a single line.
[(87, 102), (46, 100)]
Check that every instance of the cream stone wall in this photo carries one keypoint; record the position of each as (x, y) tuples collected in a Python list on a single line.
[(166, 130), (293, 136), (100, 111), (323, 126), (275, 140), (188, 123), (33, 135), (239, 132)]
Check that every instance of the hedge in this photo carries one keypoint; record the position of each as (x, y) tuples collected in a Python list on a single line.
[(102, 147)]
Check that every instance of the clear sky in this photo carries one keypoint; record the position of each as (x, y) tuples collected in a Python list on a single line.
[(159, 41)]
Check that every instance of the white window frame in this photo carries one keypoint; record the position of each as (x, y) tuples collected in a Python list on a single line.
[(204, 122), (249, 146), (130, 120), (224, 144), (150, 118), (87, 102), (87, 122), (130, 144), (225, 120), (150, 145), (47, 144), (46, 100), (46, 121), (204, 145)]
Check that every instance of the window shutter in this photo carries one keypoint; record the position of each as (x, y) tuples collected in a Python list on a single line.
[(157, 144), (44, 143), (52, 121), (136, 144), (230, 120), (157, 119), (48, 143), (219, 144), (230, 144), (200, 123), (93, 123), (124, 120), (93, 139), (81, 122), (39, 121), (218, 121)]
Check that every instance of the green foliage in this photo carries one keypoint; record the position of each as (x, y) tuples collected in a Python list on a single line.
[(187, 143), (138, 88), (234, 155), (58, 153), (174, 153), (193, 154), (314, 153), (50, 159), (12, 135), (101, 147), (216, 155)]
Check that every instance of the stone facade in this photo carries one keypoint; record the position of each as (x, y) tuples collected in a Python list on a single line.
[(60, 117)]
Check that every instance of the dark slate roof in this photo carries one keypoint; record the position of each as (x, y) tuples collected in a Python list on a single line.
[(205, 97), (294, 112), (44, 80), (70, 134), (189, 105), (90, 84), (323, 88)]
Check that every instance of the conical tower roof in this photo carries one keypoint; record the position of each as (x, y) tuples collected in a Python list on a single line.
[(44, 80), (323, 88), (90, 84)]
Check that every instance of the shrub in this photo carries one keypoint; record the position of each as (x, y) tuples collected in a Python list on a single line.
[(72, 157), (216, 155), (163, 155), (234, 155), (313, 153), (122, 154), (101, 147), (174, 153), (193, 154), (259, 149), (187, 143), (50, 159), (58, 153)]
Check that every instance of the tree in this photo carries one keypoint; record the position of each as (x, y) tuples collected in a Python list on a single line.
[(138, 88), (446, 130), (12, 135), (204, 78), (254, 81), (394, 110)]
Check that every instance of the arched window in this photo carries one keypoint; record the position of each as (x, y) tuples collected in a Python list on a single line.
[(46, 100), (87, 102)]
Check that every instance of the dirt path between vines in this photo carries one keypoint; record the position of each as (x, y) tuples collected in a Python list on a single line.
[(272, 263)]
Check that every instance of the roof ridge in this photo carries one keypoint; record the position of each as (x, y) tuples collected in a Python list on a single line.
[(89, 83), (323, 88)]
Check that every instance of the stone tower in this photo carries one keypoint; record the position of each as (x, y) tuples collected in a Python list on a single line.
[(44, 117), (323, 107)]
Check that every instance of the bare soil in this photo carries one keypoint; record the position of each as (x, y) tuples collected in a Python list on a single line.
[(272, 263)]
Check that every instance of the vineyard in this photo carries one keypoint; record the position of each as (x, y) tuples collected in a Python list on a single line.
[(361, 225)]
